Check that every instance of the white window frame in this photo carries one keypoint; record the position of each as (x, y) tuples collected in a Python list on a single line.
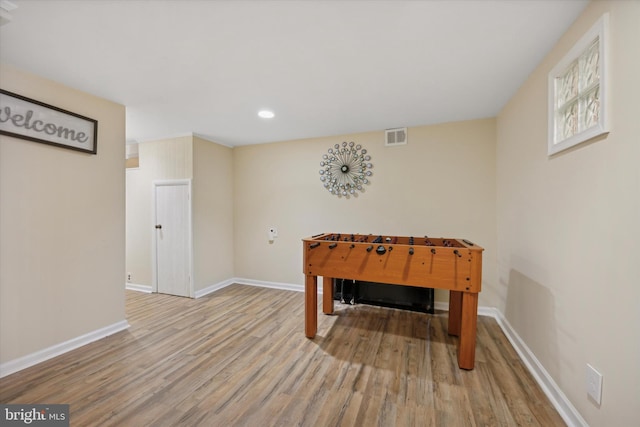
[(556, 143)]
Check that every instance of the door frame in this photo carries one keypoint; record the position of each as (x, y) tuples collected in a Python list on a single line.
[(154, 254)]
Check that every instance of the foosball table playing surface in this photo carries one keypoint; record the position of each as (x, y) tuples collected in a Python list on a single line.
[(441, 263)]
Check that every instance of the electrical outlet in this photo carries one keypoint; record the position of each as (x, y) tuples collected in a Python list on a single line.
[(273, 233), (128, 277), (594, 384)]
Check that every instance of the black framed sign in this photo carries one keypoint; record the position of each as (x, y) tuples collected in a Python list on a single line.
[(26, 118)]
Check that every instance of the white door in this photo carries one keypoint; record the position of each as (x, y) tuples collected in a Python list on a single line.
[(173, 237)]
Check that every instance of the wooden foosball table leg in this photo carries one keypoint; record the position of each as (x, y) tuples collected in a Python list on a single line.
[(327, 295), (455, 305), (468, 329), (463, 321), (310, 306)]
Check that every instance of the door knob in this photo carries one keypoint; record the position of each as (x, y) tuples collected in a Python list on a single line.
[(158, 226)]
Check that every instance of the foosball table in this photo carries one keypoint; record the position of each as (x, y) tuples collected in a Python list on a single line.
[(452, 264)]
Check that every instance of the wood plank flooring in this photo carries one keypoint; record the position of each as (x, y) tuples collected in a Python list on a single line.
[(239, 357)]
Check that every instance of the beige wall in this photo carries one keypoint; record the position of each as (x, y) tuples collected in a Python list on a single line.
[(560, 233), (164, 159), (212, 213), (442, 183), (62, 222), (568, 231), (209, 166), (138, 222)]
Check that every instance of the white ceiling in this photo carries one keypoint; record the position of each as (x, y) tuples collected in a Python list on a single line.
[(324, 67)]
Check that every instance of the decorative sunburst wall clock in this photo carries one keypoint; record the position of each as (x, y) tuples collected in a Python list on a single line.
[(345, 169)]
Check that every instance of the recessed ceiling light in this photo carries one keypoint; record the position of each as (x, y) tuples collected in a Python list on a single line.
[(266, 114)]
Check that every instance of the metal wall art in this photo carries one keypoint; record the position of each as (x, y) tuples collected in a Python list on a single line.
[(345, 169)]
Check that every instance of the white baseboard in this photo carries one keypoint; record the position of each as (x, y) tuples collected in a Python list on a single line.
[(147, 289), (563, 405), (40, 356), (558, 399), (213, 288), (272, 285), (441, 305), (216, 286)]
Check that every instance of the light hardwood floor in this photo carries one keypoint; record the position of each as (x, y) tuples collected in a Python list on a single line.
[(239, 357)]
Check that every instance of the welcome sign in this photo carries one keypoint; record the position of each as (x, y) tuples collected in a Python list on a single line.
[(26, 118)]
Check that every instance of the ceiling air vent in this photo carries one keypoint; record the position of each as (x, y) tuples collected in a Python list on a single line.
[(397, 136)]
